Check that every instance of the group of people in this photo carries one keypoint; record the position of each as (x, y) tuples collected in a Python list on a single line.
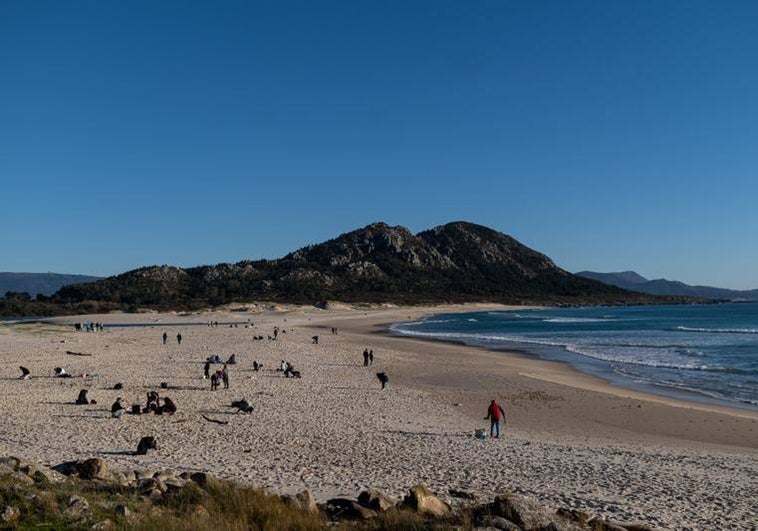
[(89, 327), (178, 338), (288, 370), (368, 357), (221, 375), (153, 405)]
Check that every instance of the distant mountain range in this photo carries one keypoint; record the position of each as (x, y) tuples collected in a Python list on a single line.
[(455, 262), (632, 281), (35, 283)]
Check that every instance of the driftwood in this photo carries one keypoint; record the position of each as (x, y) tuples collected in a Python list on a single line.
[(71, 352), (223, 422)]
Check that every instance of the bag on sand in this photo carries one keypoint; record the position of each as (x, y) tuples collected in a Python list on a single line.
[(481, 434)]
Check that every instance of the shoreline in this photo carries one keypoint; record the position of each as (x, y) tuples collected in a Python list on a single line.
[(573, 363)]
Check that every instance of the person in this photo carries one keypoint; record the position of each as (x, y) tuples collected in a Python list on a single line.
[(117, 409), (315, 340), (60, 372), (283, 366), (383, 378), (82, 400), (225, 377), (495, 413), (207, 369), (165, 337), (168, 406), (371, 357), (365, 357), (153, 402), (256, 365), (214, 381), (179, 338)]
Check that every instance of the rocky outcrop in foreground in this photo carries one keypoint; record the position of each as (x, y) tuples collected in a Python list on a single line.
[(86, 494)]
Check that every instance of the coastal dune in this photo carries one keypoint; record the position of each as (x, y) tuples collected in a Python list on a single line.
[(571, 439)]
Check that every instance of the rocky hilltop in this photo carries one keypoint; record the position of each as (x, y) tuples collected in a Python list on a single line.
[(455, 262)]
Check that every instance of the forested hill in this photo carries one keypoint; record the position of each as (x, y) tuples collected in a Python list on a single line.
[(455, 262)]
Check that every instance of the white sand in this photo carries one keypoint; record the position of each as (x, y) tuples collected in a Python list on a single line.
[(571, 439)]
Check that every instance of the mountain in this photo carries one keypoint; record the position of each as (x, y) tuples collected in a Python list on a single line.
[(632, 281), (455, 262), (44, 283)]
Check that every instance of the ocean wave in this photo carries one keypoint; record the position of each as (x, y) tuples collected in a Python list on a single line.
[(580, 350), (719, 330), (576, 320)]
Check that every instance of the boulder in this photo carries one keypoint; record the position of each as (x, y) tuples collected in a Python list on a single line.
[(373, 499), (598, 523), (204, 480), (69, 468), (522, 511), (423, 501), (344, 508), (496, 522), (574, 515), (78, 507), (94, 468)]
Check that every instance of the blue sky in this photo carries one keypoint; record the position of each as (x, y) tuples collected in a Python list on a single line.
[(609, 135)]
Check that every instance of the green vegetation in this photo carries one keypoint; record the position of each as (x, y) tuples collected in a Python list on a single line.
[(457, 262)]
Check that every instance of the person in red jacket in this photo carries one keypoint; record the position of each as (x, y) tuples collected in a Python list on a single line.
[(495, 413)]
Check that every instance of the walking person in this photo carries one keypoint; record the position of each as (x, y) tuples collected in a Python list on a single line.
[(225, 377), (179, 338), (371, 357), (165, 337), (207, 369), (365, 358), (496, 414), (214, 381)]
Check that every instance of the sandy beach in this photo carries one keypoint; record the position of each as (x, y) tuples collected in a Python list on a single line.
[(571, 439)]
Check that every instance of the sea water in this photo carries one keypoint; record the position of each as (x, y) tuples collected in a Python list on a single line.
[(697, 352)]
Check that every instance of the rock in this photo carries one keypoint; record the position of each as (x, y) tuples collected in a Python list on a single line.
[(153, 495), (373, 499), (522, 511), (164, 475), (344, 508), (423, 501), (148, 484), (204, 480), (462, 494), (143, 474), (120, 478), (634, 526), (122, 510), (496, 522), (302, 501), (69, 468), (174, 483), (94, 468), (598, 523), (574, 515), (10, 513), (185, 476), (77, 507), (8, 464)]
